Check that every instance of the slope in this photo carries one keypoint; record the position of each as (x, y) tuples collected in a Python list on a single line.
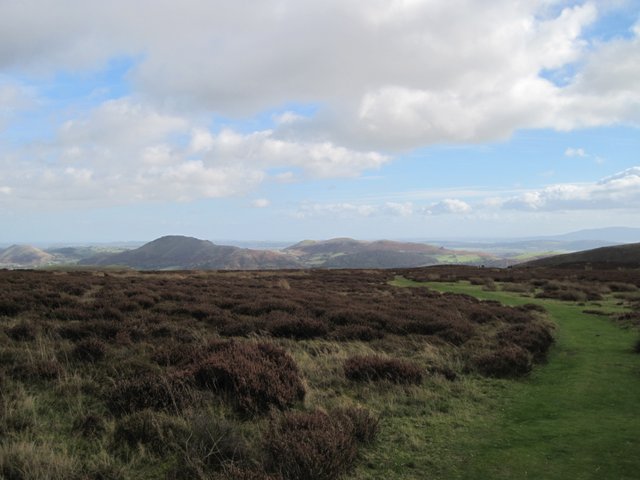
[(619, 256), (24, 256), (180, 252)]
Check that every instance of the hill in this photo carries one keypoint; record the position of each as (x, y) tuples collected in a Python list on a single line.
[(24, 256), (619, 256), (188, 253), (609, 234), (350, 253)]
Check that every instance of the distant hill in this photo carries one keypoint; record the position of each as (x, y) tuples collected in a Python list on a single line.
[(24, 256), (619, 256), (350, 253), (179, 252), (609, 234)]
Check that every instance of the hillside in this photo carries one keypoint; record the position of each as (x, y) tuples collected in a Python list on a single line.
[(619, 256), (24, 255), (179, 252), (350, 253)]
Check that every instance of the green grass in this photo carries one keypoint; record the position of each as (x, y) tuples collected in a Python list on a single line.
[(461, 258), (533, 255), (575, 417)]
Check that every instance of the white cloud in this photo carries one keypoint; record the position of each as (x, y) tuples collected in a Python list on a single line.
[(389, 75), (261, 203), (619, 191), (13, 99), (344, 209), (404, 209), (123, 151), (264, 149), (285, 177), (575, 152), (449, 206)]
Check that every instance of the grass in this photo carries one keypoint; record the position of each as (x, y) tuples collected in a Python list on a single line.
[(459, 258), (575, 417), (446, 426)]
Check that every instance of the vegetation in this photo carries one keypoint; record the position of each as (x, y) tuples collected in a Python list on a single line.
[(307, 374)]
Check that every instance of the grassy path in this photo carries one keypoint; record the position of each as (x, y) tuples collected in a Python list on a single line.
[(577, 417)]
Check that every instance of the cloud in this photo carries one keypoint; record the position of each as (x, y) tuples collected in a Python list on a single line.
[(263, 148), (449, 206), (384, 74), (575, 152), (345, 209), (125, 151), (404, 209), (386, 209), (619, 191), (14, 98), (261, 203)]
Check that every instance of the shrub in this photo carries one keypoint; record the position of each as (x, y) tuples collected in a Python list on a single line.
[(446, 372), (288, 326), (234, 472), (313, 446), (363, 333), (178, 355), (37, 370), (156, 431), (90, 426), (534, 337), (74, 332), (374, 368), (256, 376), (532, 307), (149, 391), (89, 350), (505, 361), (22, 332), (239, 327), (10, 307), (622, 287), (458, 333), (364, 425), (211, 444)]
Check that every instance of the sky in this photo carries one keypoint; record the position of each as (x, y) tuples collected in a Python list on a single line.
[(294, 119)]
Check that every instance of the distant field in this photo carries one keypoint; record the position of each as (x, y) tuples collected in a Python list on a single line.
[(313, 374)]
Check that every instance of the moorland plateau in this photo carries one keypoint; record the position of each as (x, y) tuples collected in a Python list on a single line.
[(440, 372)]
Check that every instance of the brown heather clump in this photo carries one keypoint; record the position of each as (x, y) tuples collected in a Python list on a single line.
[(254, 376), (211, 444), (374, 368), (90, 350), (150, 391), (363, 333), (364, 425), (310, 446), (36, 370), (506, 361), (156, 431), (22, 332), (289, 326), (533, 337)]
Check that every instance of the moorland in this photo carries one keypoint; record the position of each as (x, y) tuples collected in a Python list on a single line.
[(441, 372)]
